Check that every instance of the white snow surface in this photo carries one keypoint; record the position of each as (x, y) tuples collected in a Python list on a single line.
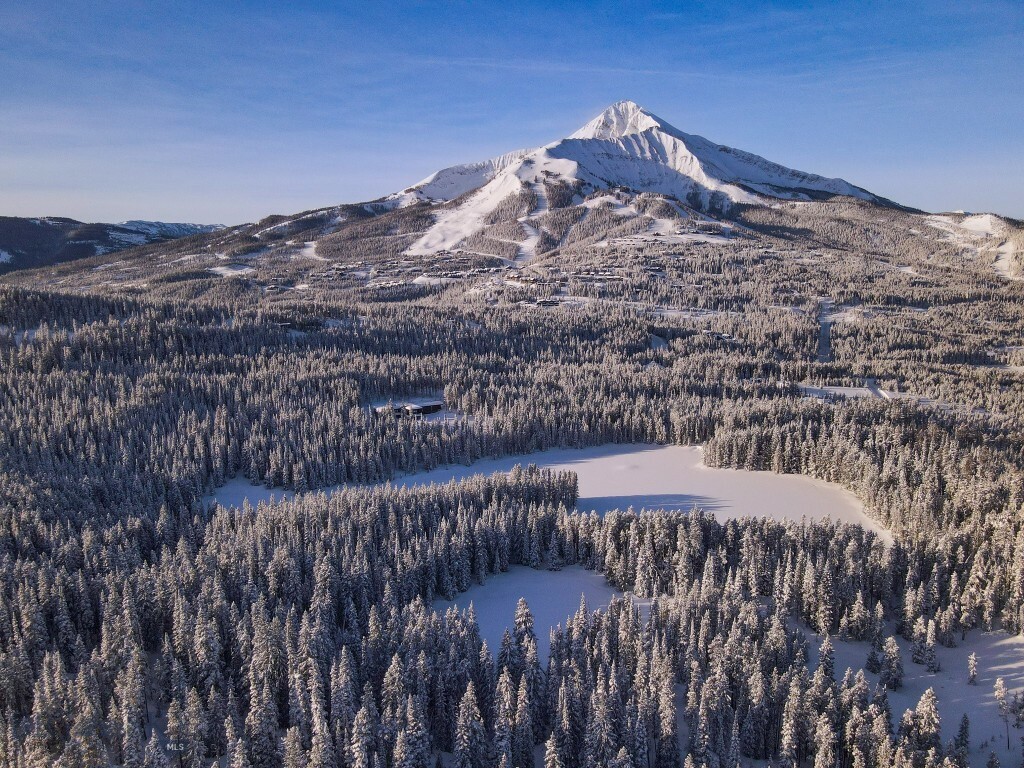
[(308, 251), (620, 119), (624, 146), (983, 224), (449, 183), (231, 270), (669, 477), (553, 597), (456, 224), (984, 233)]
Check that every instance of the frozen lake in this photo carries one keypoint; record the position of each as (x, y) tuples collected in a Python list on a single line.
[(553, 596), (669, 477)]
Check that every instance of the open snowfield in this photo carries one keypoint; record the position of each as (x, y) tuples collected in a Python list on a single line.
[(553, 596), (999, 655), (308, 251), (231, 270), (670, 477)]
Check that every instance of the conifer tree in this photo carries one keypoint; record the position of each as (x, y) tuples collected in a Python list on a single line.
[(1002, 702), (552, 755), (891, 675), (154, 756), (470, 738)]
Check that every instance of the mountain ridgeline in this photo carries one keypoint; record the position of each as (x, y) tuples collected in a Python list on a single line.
[(27, 243)]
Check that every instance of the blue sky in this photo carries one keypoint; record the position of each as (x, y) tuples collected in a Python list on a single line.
[(228, 111)]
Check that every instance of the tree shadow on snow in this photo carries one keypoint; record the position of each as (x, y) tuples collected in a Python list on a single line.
[(667, 502)]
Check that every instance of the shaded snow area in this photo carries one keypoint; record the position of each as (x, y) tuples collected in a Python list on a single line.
[(669, 477), (6, 257), (824, 392), (999, 655), (130, 238), (553, 596), (168, 229), (22, 336), (239, 489)]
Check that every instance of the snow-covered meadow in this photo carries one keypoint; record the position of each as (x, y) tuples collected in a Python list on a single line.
[(553, 596)]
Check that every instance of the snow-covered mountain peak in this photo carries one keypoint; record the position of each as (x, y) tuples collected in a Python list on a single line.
[(625, 147), (620, 119)]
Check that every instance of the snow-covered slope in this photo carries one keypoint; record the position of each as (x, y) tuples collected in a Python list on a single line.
[(623, 147), (166, 230), (450, 183), (988, 235), (659, 151)]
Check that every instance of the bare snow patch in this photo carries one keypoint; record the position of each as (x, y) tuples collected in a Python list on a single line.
[(231, 270), (308, 251), (553, 597)]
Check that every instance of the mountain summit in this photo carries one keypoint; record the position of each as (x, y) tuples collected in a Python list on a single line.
[(620, 119), (627, 148)]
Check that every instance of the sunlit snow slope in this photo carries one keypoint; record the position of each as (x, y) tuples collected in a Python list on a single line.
[(623, 147)]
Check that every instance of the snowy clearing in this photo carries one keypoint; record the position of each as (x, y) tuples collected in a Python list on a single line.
[(824, 392), (553, 596), (669, 477), (308, 251), (231, 270)]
